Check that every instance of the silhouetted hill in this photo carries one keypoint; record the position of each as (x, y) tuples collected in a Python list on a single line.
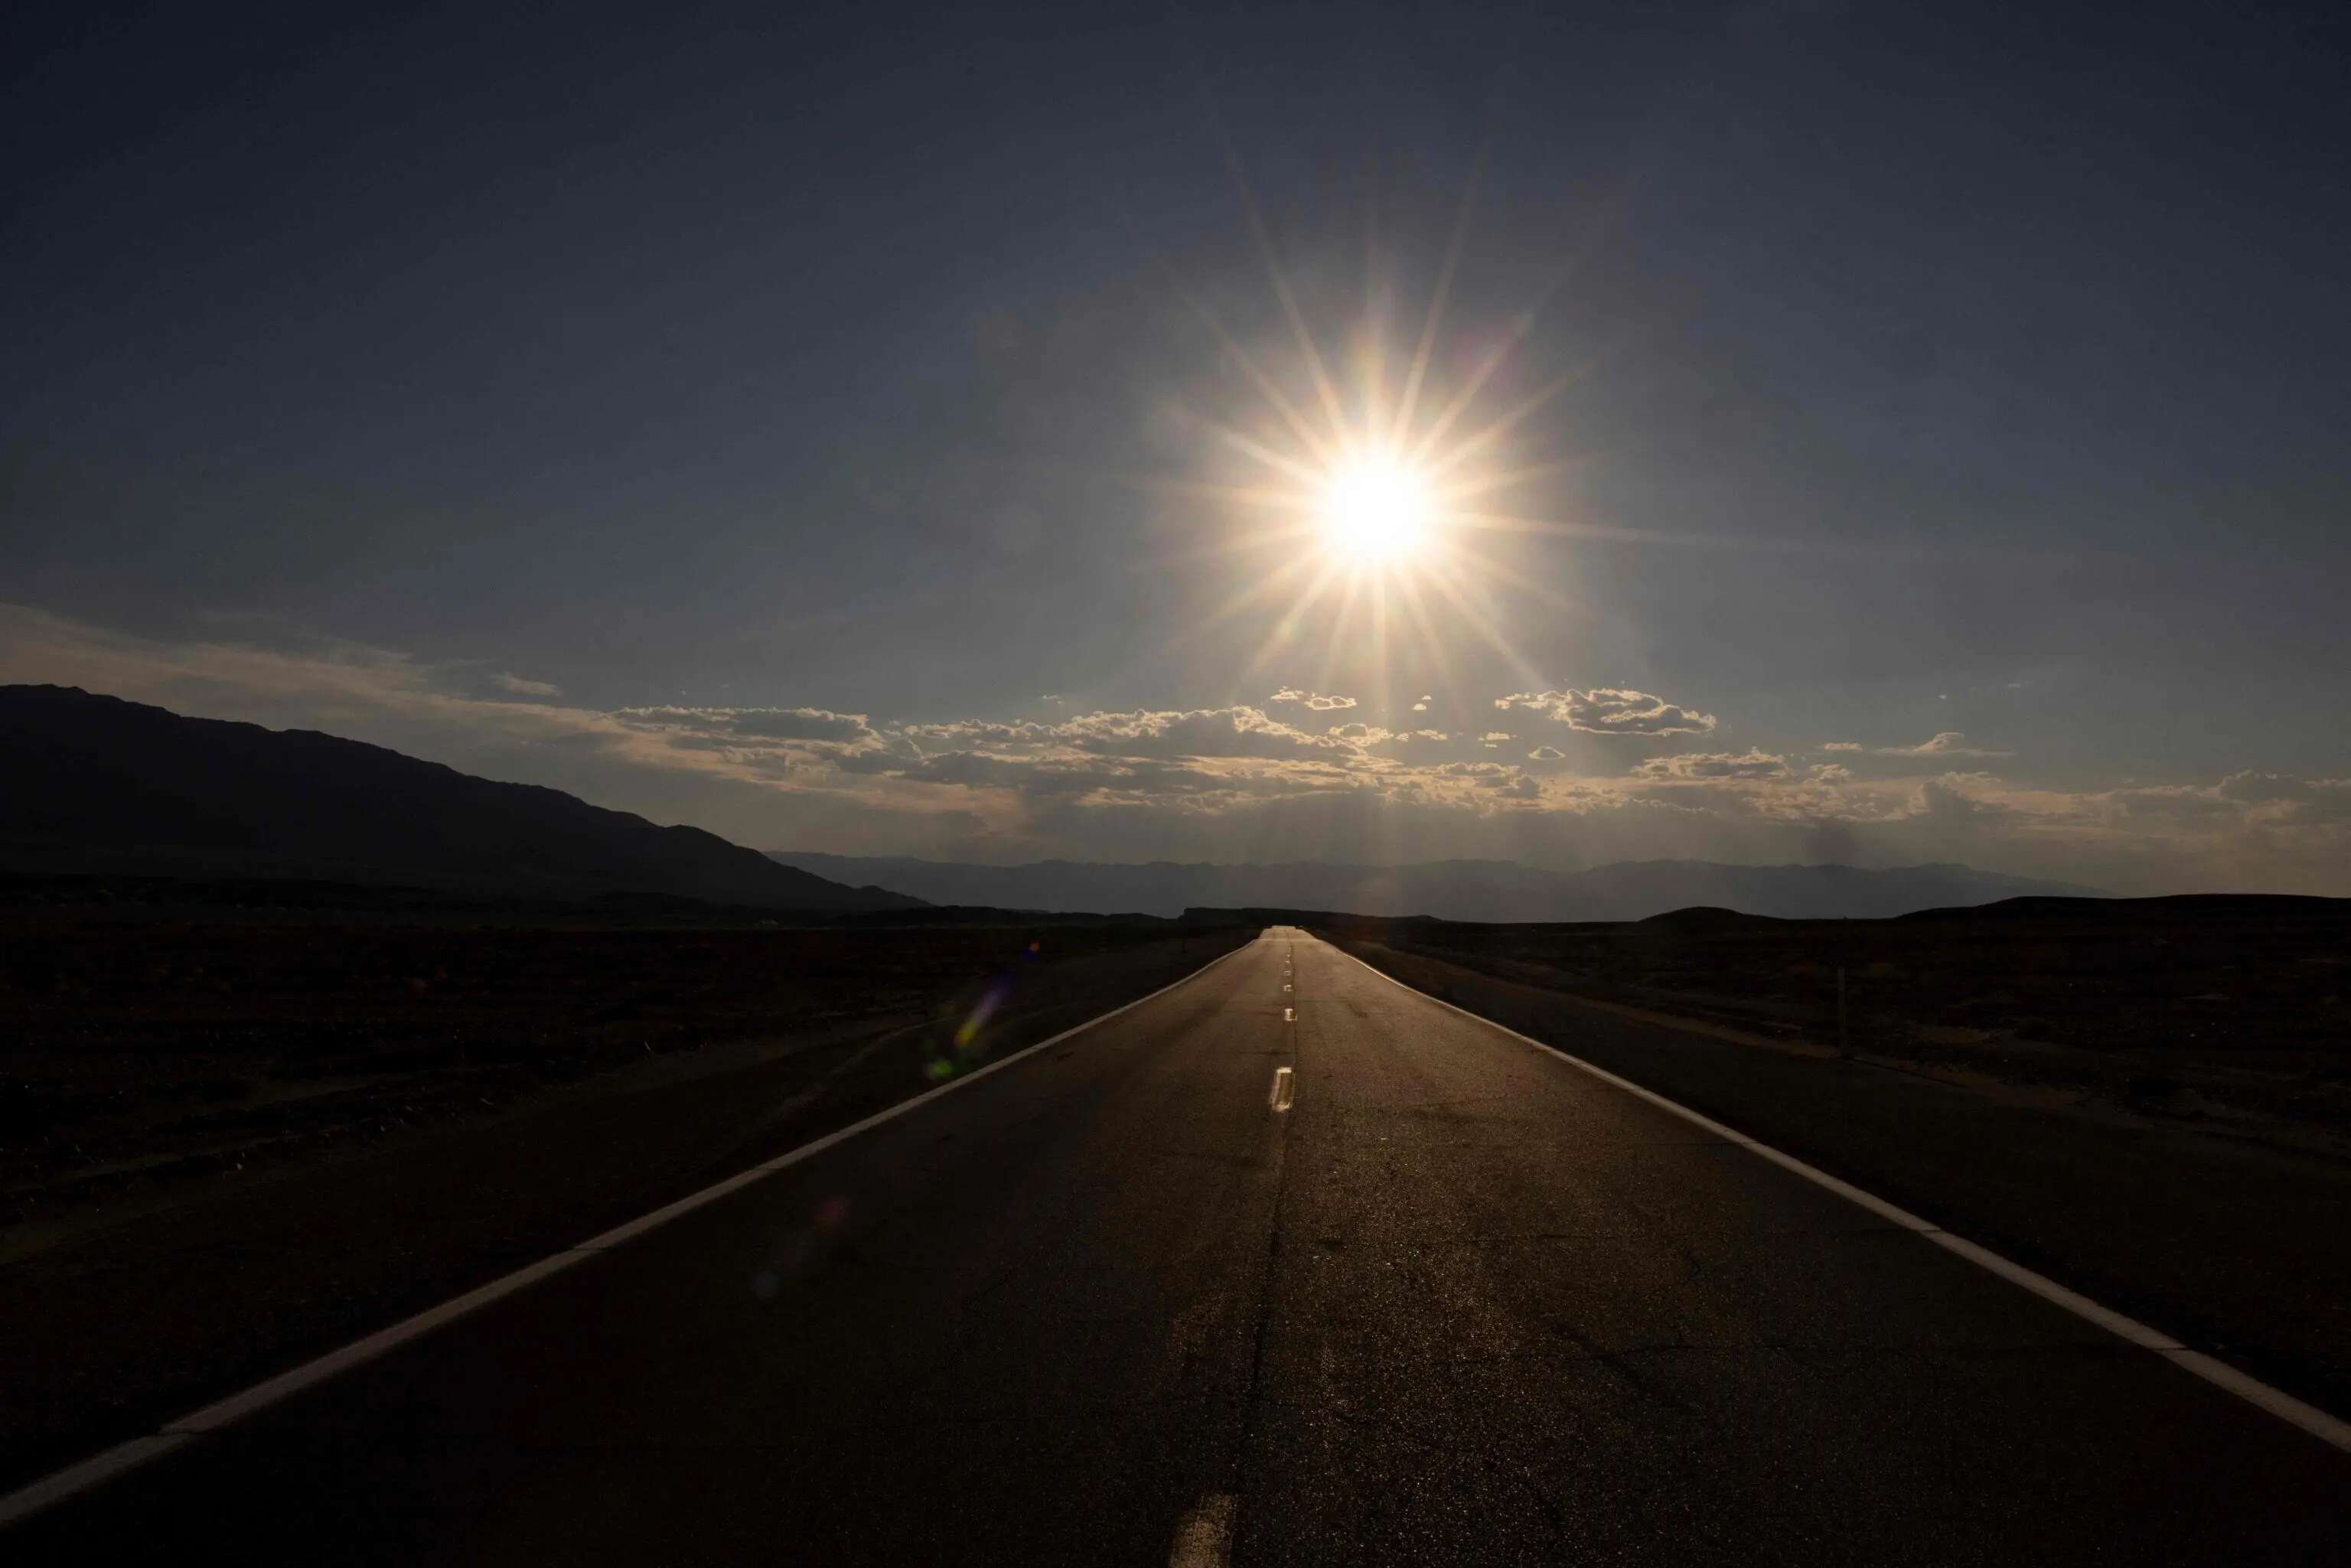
[(2205, 906), (96, 784), (1449, 890), (1704, 917)]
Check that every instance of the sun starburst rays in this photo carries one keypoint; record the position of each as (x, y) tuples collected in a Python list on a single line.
[(1380, 500), (1352, 477)]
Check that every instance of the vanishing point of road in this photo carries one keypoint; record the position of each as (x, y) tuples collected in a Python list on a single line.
[(1288, 1264)]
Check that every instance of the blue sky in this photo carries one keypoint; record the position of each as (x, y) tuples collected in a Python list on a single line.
[(582, 396)]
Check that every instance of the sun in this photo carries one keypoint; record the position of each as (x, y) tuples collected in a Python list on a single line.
[(1375, 511), (1376, 501)]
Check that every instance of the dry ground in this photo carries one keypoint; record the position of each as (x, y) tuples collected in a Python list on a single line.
[(2231, 1014)]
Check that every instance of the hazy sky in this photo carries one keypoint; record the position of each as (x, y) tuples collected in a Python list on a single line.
[(858, 430)]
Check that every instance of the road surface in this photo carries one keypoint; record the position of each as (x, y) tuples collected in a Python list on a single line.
[(1430, 1296)]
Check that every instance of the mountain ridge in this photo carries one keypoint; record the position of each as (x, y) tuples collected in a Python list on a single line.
[(97, 783)]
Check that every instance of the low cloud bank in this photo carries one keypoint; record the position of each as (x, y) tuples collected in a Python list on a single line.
[(1236, 783)]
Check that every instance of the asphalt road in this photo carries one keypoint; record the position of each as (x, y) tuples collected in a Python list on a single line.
[(1459, 1302)]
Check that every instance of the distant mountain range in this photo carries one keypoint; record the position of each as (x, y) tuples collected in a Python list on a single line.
[(95, 784), (1451, 890)]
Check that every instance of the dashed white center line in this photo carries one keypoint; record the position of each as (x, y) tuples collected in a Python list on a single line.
[(1289, 1015), (1285, 1087), (1203, 1536)]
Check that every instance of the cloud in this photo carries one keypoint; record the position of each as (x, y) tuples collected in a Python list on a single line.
[(1197, 732), (965, 768), (1545, 754), (1607, 710), (1950, 799), (1421, 706), (2255, 787), (758, 723), (1947, 743), (2250, 801), (1318, 701), (799, 723), (524, 688), (1714, 766)]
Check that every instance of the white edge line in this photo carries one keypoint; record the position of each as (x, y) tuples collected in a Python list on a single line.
[(261, 1395), (2327, 1428), (59, 1485)]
